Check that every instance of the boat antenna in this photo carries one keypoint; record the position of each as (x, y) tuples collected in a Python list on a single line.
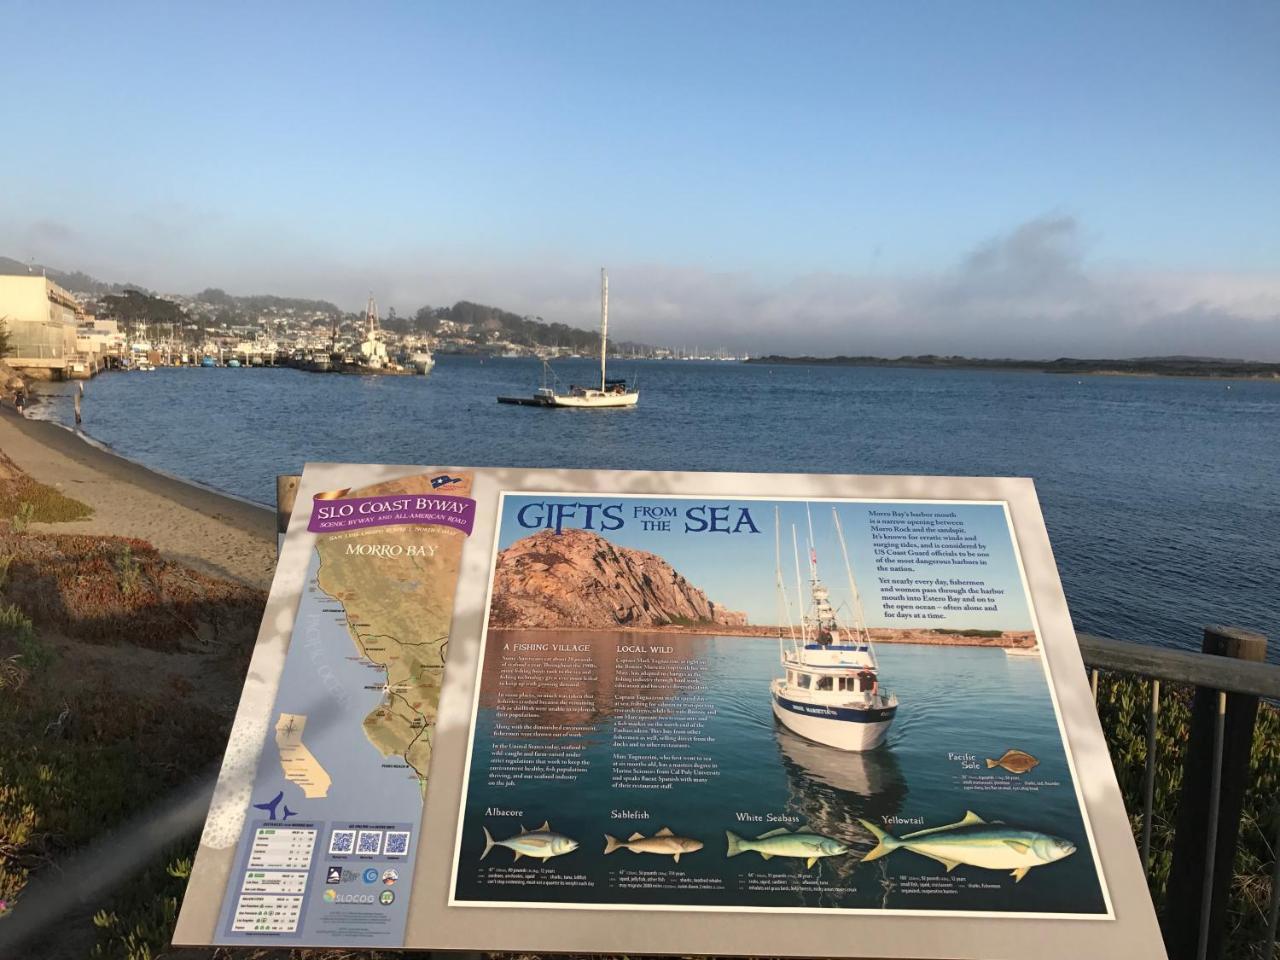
[(604, 321), (804, 630), (863, 632), (813, 553), (784, 605)]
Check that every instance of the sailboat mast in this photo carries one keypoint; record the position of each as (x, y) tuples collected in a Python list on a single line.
[(604, 321)]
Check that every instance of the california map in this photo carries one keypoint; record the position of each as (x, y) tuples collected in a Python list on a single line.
[(395, 585)]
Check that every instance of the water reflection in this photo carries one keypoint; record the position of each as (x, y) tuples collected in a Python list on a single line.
[(832, 789)]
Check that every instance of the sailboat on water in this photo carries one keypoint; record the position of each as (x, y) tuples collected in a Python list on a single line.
[(830, 692), (610, 393)]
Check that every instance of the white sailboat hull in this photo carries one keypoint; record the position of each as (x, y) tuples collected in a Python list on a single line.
[(594, 399)]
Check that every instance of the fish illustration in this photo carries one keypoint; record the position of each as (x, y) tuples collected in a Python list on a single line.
[(783, 843), (541, 843), (977, 843), (664, 843), (1015, 761)]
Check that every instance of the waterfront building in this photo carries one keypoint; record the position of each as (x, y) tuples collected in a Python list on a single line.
[(42, 320)]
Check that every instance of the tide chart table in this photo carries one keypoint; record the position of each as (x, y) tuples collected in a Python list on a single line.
[(625, 712)]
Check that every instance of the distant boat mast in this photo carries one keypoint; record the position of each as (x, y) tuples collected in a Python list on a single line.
[(604, 322)]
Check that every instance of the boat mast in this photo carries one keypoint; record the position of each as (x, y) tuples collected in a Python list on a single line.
[(804, 623), (861, 625), (604, 321), (813, 550), (784, 605)]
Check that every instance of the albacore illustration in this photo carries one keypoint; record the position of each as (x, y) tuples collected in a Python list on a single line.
[(977, 843), (810, 847), (1015, 761), (542, 843), (664, 843)]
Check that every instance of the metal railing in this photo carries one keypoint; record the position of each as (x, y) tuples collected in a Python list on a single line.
[(1228, 679)]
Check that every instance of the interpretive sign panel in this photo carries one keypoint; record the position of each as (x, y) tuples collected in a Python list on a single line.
[(716, 698)]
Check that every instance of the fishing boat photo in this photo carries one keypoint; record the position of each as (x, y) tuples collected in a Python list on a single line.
[(611, 393), (830, 691)]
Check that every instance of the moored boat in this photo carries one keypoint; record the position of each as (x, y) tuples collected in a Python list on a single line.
[(611, 392)]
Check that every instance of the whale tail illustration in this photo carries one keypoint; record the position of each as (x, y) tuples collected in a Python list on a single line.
[(885, 842), (488, 842), (612, 843), (735, 844)]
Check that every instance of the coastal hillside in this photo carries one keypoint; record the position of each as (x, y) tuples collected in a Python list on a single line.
[(579, 579)]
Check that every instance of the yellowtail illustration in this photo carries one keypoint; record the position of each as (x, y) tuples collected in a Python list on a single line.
[(973, 841), (664, 843), (1015, 761)]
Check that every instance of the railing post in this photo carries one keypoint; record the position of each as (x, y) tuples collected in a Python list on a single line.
[(1204, 852)]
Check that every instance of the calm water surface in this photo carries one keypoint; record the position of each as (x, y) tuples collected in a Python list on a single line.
[(1162, 496), (763, 769)]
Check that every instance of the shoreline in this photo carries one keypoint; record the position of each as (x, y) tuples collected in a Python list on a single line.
[(1145, 369), (212, 532), (920, 636)]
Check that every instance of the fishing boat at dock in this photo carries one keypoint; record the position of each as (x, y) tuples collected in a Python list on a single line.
[(830, 691)]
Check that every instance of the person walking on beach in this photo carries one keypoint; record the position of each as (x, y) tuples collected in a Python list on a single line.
[(20, 400)]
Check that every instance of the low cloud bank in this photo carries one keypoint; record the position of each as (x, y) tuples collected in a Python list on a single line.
[(1031, 293)]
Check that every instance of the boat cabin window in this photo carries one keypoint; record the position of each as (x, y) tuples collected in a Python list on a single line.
[(824, 683), (802, 681)]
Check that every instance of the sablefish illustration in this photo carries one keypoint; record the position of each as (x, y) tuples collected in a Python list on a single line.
[(977, 843), (542, 843), (1015, 761), (664, 843), (810, 847)]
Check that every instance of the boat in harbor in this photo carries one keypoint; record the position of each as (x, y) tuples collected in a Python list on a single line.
[(830, 691), (611, 393)]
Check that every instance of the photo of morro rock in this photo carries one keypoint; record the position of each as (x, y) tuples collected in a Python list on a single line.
[(578, 579)]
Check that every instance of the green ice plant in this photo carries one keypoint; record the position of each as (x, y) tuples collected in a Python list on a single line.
[(22, 517), (128, 572)]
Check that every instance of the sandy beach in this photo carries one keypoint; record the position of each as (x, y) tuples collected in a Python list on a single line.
[(215, 534)]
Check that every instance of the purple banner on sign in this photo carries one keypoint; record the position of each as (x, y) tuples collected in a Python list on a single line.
[(339, 516)]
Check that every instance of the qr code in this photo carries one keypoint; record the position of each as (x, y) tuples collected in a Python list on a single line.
[(370, 842), (397, 843), (341, 841)]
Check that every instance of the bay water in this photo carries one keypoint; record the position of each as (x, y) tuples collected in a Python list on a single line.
[(1162, 496)]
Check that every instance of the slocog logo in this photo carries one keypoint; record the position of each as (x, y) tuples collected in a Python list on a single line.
[(332, 896)]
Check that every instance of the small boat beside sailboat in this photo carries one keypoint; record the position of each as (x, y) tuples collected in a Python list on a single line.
[(830, 691)]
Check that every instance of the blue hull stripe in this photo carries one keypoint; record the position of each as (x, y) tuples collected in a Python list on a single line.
[(848, 714)]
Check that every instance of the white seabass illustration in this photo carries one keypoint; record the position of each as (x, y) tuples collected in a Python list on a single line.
[(831, 690)]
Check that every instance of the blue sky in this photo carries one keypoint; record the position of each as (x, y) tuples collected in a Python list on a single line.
[(737, 569), (736, 165)]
